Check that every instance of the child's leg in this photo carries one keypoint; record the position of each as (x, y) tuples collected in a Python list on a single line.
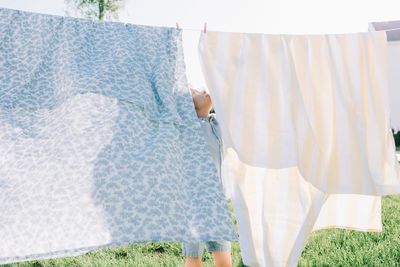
[(221, 251), (222, 259), (193, 262), (193, 253)]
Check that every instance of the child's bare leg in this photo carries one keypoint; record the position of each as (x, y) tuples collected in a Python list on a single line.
[(193, 253), (193, 262), (221, 251), (222, 259)]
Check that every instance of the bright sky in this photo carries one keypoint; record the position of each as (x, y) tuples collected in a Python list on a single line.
[(263, 16)]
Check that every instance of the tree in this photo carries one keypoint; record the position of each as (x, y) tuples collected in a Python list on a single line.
[(101, 9)]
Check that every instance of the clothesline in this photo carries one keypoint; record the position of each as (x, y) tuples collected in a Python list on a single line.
[(205, 29), (191, 29)]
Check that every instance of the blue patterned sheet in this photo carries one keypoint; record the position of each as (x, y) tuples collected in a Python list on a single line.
[(99, 141)]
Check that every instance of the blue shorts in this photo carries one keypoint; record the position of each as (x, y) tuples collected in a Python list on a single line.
[(195, 250)]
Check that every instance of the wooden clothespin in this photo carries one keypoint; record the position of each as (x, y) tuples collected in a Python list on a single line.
[(177, 26), (205, 27)]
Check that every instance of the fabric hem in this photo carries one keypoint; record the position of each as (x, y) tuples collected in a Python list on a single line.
[(348, 228)]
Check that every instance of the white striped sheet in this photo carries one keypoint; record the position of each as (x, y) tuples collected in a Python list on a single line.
[(235, 90), (260, 105), (313, 85), (363, 117), (278, 209), (345, 138), (340, 147), (278, 88), (355, 212), (363, 178), (247, 207), (394, 67), (391, 166), (342, 170), (243, 90), (376, 154), (218, 46), (394, 83), (269, 235), (317, 104), (341, 138), (309, 163)]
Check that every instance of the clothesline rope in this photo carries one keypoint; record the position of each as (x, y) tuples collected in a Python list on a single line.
[(205, 29)]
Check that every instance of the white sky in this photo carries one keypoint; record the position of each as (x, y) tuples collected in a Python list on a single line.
[(262, 16)]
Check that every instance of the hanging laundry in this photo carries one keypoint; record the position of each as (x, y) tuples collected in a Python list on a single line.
[(99, 140), (277, 210), (305, 122), (317, 102), (352, 212), (392, 29)]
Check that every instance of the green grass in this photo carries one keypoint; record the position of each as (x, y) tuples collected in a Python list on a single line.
[(325, 248), (155, 254), (336, 247)]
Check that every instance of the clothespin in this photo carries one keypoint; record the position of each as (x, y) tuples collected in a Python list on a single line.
[(205, 27), (177, 26)]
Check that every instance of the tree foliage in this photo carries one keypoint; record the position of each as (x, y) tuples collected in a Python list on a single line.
[(101, 9)]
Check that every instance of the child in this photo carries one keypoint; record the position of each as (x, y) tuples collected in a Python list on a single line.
[(221, 250)]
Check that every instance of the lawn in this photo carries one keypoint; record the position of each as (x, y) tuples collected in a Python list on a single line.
[(325, 248)]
